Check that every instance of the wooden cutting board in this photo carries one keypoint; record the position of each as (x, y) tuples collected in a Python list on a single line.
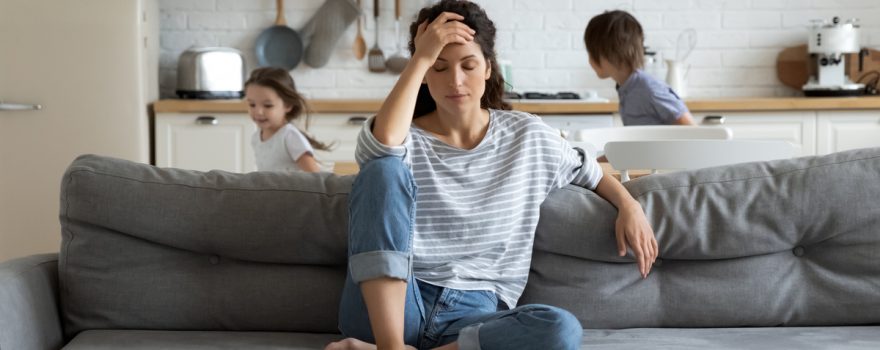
[(793, 65)]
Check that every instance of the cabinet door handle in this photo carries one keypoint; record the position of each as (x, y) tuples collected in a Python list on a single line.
[(713, 120), (357, 120), (206, 120), (19, 107)]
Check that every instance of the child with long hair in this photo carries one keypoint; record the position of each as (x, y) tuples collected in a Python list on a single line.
[(273, 103)]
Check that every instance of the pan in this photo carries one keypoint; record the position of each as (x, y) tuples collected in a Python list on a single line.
[(279, 45)]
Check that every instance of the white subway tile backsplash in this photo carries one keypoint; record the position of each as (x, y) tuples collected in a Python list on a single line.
[(577, 60), (177, 41), (750, 58), (542, 40), (844, 3), (780, 4), (641, 5), (722, 39), (599, 6), (524, 59), (737, 40), (173, 20), (778, 39), (567, 21), (752, 19), (721, 4), (691, 19), (543, 5), (215, 20)]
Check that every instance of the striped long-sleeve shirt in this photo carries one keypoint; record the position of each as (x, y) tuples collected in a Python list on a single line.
[(477, 209)]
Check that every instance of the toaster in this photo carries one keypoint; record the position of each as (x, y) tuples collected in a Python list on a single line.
[(210, 73)]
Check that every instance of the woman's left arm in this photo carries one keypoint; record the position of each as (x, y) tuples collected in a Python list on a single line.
[(632, 228)]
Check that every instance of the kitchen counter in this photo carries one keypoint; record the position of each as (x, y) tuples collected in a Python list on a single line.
[(580, 108)]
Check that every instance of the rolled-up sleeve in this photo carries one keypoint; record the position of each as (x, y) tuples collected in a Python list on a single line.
[(369, 148), (577, 167)]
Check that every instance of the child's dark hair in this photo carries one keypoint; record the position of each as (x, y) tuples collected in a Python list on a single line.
[(617, 37), (475, 18), (279, 79)]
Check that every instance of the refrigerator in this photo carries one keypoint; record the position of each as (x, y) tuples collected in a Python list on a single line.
[(76, 77)]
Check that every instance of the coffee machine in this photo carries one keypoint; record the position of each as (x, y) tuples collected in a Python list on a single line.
[(829, 45)]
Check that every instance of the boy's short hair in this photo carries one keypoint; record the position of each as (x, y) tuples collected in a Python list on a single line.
[(617, 37)]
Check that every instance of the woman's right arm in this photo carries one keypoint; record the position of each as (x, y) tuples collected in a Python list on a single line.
[(391, 124)]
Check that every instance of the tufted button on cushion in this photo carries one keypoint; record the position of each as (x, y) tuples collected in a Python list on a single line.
[(798, 251), (215, 260)]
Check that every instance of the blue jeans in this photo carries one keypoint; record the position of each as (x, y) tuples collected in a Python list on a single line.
[(382, 211)]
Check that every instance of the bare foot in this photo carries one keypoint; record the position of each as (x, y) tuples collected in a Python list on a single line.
[(354, 344), (349, 344)]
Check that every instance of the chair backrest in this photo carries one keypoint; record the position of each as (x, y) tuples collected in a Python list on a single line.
[(691, 154), (598, 137)]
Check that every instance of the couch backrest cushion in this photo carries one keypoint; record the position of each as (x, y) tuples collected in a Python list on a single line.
[(792, 242), (789, 242), (153, 248)]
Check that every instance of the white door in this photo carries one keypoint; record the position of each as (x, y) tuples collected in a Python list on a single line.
[(204, 142), (88, 63), (844, 130), (798, 127)]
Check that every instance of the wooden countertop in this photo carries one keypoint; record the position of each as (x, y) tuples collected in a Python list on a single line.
[(695, 105)]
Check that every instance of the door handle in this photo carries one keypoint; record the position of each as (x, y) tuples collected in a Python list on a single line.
[(19, 107), (206, 120), (713, 120), (357, 120)]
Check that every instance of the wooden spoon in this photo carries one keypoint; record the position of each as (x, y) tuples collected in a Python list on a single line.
[(360, 46)]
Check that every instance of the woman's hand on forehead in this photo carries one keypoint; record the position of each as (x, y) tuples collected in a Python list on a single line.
[(446, 29)]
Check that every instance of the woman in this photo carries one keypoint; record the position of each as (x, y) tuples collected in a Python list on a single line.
[(444, 210)]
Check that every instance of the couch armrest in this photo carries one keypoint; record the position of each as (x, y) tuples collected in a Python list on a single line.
[(29, 318)]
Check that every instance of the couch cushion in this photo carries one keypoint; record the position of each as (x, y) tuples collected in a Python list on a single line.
[(174, 340), (153, 248), (800, 338), (788, 242), (777, 338)]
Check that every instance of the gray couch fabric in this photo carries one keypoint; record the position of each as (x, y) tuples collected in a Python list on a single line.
[(171, 249), (800, 338), (784, 243), (29, 303)]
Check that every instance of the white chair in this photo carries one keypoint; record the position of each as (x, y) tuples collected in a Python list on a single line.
[(598, 137), (691, 154)]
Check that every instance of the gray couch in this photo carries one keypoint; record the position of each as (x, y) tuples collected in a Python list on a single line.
[(782, 254)]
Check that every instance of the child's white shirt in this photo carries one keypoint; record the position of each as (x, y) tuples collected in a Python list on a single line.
[(281, 151)]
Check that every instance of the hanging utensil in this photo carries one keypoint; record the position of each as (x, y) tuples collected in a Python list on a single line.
[(376, 59), (279, 45), (360, 46), (397, 62)]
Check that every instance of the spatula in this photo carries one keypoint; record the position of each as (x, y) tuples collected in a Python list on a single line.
[(376, 59), (398, 61), (360, 46)]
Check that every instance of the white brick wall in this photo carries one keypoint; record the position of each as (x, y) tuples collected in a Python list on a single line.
[(735, 55)]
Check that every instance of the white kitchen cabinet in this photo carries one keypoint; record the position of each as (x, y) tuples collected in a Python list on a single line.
[(339, 128), (844, 130), (796, 127), (205, 141)]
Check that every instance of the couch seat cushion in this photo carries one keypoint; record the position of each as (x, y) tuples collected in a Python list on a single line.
[(195, 340), (800, 338)]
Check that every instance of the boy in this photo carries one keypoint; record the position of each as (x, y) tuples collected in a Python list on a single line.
[(614, 43)]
